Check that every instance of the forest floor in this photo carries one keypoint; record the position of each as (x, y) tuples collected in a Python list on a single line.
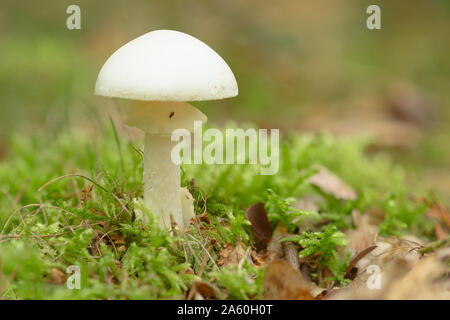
[(335, 222)]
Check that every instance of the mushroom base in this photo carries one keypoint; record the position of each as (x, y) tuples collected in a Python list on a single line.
[(162, 181)]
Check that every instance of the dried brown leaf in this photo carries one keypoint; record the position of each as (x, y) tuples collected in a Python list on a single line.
[(231, 256), (404, 275), (118, 239), (364, 234), (207, 290), (283, 282), (260, 225), (331, 184), (308, 203), (57, 276)]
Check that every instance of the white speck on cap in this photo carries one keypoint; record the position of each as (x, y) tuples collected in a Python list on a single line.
[(166, 65)]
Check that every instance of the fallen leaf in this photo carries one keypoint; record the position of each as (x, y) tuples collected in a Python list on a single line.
[(364, 234), (403, 273), (57, 276), (407, 103), (258, 259), (204, 217), (423, 281), (118, 239), (231, 256), (283, 282), (390, 249), (260, 225), (207, 290), (331, 184), (308, 203)]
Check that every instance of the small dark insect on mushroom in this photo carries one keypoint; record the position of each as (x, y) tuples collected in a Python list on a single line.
[(171, 115)]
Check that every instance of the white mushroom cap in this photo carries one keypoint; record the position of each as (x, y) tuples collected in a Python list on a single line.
[(166, 65)]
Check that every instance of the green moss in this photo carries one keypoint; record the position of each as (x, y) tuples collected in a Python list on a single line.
[(324, 244), (92, 219)]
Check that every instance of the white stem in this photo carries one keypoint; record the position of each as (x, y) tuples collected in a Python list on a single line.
[(162, 181)]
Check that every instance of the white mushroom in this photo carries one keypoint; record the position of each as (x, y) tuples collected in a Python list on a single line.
[(160, 71)]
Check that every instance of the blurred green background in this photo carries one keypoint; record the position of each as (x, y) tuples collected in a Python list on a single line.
[(300, 65)]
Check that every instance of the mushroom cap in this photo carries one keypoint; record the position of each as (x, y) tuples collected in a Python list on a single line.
[(166, 65)]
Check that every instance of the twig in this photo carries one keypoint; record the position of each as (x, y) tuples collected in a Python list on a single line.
[(192, 291), (291, 254), (202, 266), (435, 245), (358, 257)]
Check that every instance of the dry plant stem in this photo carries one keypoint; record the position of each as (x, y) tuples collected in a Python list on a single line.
[(435, 245), (162, 181), (291, 254)]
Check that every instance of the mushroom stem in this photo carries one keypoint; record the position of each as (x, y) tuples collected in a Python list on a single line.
[(162, 181)]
